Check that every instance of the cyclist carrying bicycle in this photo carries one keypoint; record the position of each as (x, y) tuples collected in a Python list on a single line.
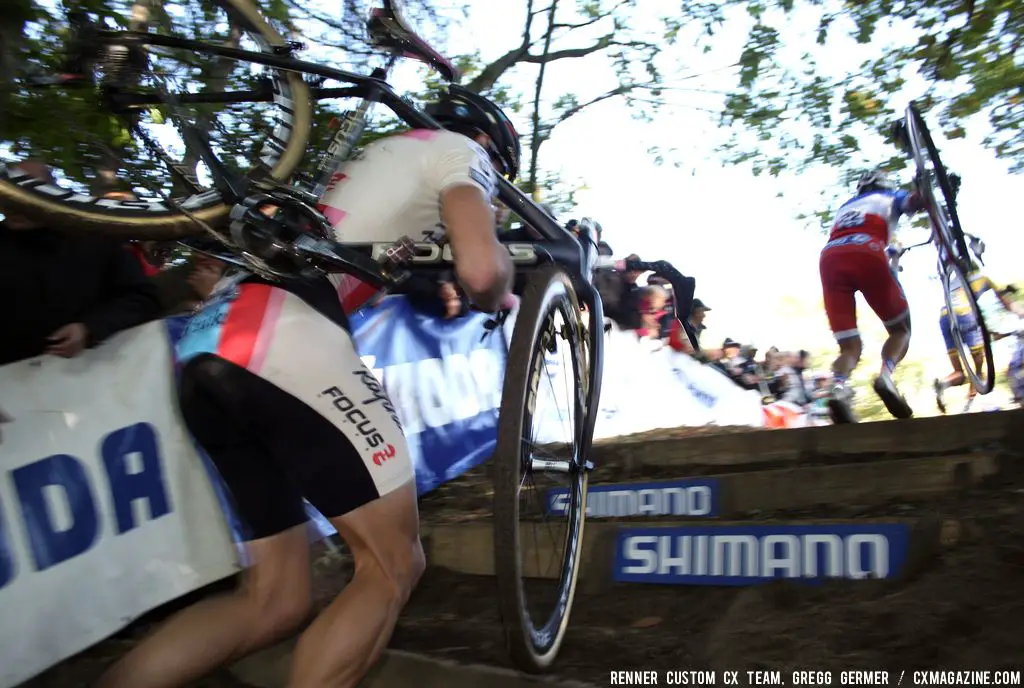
[(991, 301), (277, 395), (855, 259)]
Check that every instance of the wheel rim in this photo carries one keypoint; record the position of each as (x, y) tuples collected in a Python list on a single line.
[(931, 173), (562, 382), (283, 127), (980, 375)]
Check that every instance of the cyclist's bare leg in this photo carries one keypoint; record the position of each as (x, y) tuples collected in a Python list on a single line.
[(849, 356), (898, 342), (346, 640), (272, 602), (957, 377)]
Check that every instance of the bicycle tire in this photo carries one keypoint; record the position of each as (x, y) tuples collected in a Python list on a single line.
[(957, 232), (534, 650), (966, 359), (281, 155)]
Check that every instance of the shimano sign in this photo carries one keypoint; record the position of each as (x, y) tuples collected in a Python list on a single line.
[(745, 555), (670, 498)]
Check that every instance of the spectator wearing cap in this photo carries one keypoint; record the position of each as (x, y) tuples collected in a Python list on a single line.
[(621, 296), (692, 327), (731, 362), (695, 323)]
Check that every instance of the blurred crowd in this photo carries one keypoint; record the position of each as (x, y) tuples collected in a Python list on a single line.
[(648, 310), (74, 291)]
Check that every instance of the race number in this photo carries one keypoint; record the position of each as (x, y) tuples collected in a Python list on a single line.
[(850, 218)]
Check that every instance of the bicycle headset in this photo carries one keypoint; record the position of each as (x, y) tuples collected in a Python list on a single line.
[(460, 109)]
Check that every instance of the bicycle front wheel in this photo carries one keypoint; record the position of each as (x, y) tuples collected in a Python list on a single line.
[(930, 169), (970, 332), (538, 533), (284, 128)]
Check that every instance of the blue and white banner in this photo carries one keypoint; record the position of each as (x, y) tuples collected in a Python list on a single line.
[(751, 554), (695, 497), (109, 510), (444, 378), (106, 510)]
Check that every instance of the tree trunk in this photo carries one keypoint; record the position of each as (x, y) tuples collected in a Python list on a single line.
[(538, 134)]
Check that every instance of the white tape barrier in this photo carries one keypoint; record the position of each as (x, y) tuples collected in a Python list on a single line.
[(105, 509), (646, 386)]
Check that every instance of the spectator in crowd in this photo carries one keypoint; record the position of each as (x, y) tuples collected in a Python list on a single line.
[(621, 296), (731, 359), (692, 326), (180, 288), (791, 386), (73, 292), (653, 307)]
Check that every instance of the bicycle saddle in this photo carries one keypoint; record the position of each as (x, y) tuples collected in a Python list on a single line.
[(389, 31)]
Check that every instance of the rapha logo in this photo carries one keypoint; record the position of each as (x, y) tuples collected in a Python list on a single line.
[(377, 394)]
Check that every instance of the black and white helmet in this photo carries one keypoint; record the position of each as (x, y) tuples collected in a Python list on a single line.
[(874, 179), (460, 108)]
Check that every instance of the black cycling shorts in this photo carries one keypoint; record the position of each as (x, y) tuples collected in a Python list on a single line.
[(286, 410)]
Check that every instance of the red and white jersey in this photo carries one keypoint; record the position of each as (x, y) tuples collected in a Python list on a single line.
[(393, 190), (875, 213)]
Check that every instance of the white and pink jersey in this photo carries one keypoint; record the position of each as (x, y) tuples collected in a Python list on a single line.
[(393, 190)]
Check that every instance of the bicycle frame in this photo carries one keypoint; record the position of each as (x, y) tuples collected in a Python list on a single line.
[(577, 254), (555, 240)]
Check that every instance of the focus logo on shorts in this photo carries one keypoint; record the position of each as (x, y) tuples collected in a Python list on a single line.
[(382, 456), (377, 394), (355, 416)]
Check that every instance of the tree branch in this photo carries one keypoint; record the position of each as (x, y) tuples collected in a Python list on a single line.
[(569, 53), (490, 74), (618, 91), (599, 17)]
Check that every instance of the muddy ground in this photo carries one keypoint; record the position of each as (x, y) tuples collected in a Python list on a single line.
[(961, 610)]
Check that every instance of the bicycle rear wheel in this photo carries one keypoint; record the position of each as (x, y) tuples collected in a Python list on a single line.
[(548, 322), (154, 218), (970, 332), (930, 168)]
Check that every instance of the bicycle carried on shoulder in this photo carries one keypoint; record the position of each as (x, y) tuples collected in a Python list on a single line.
[(955, 255), (255, 218)]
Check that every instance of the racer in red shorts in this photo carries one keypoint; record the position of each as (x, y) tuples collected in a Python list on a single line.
[(854, 259)]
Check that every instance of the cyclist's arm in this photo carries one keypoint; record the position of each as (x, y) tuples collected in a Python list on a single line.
[(909, 202), (482, 265), (466, 182), (1009, 304)]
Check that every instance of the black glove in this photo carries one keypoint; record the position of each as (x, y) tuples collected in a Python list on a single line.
[(898, 132), (954, 183)]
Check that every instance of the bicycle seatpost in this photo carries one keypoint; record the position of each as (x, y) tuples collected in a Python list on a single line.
[(350, 130)]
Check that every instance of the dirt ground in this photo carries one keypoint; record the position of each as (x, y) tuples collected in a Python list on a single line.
[(961, 611)]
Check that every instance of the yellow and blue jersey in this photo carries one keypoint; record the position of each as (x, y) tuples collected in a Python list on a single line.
[(979, 283)]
